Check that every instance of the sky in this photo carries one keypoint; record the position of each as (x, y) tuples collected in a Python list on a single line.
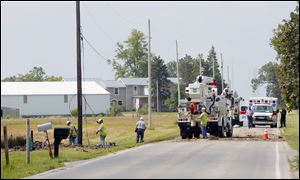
[(44, 34)]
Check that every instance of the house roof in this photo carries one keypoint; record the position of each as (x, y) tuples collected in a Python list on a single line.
[(50, 88), (134, 81), (111, 84)]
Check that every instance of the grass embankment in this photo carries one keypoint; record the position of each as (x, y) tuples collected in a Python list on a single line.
[(291, 134), (120, 130)]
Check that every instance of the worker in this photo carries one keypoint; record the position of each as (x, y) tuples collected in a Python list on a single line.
[(72, 134), (103, 132), (193, 107), (203, 122), (140, 129), (249, 114), (283, 117)]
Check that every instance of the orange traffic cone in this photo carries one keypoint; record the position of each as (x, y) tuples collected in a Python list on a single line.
[(266, 136)]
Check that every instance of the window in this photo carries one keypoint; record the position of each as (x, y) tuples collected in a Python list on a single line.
[(116, 90), (134, 90), (65, 98), (25, 99), (120, 103)]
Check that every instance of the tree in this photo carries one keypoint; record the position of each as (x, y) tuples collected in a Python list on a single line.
[(267, 75), (286, 43), (36, 74), (131, 57), (208, 68), (172, 68), (185, 70), (159, 73)]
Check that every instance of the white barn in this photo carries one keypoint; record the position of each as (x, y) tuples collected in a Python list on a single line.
[(53, 98)]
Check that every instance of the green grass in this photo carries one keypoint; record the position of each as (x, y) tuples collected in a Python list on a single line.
[(291, 134), (120, 130)]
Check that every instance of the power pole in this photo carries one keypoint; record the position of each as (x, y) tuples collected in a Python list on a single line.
[(178, 84), (157, 101), (229, 85), (79, 86), (213, 69), (200, 67), (222, 71), (149, 77)]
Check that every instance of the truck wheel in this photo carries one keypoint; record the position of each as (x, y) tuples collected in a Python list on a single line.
[(183, 136), (197, 135), (229, 134), (221, 132)]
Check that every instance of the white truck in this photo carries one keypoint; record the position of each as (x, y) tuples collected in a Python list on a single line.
[(203, 93), (265, 111)]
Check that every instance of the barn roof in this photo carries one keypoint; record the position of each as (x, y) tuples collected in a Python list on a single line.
[(50, 88)]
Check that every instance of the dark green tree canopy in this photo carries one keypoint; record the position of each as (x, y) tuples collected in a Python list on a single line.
[(286, 43), (159, 74), (131, 58), (36, 74), (267, 76)]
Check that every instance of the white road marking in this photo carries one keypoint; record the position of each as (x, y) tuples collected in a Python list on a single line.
[(277, 169)]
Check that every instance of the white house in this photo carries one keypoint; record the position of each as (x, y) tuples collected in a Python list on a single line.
[(53, 98)]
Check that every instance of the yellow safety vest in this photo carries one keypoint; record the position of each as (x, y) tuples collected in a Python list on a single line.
[(73, 131), (203, 119), (103, 130)]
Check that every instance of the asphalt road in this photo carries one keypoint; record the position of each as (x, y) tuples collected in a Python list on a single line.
[(185, 159)]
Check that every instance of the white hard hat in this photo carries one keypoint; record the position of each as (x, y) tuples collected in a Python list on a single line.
[(99, 120), (141, 118), (68, 122), (203, 108)]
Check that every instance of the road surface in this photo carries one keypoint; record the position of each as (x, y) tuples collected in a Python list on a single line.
[(185, 159)]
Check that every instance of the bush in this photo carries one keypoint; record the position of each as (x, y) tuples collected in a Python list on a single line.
[(74, 112), (113, 110), (14, 141), (143, 110)]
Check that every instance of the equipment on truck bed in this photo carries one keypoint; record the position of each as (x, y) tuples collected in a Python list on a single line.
[(203, 93)]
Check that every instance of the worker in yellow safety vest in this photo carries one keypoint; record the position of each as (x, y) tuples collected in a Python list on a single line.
[(203, 122), (103, 132), (72, 134)]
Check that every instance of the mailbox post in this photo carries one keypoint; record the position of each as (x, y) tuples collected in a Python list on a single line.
[(59, 134), (45, 127)]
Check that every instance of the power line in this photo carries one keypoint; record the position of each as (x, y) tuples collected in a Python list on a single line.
[(122, 17), (97, 25), (95, 50)]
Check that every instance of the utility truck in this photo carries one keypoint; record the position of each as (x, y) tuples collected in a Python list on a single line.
[(203, 93)]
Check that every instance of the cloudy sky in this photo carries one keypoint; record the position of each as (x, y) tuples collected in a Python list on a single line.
[(43, 34)]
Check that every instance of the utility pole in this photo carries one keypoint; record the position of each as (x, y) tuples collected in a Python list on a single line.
[(222, 71), (229, 85), (213, 69), (149, 77), (200, 66), (157, 101), (79, 86), (178, 84)]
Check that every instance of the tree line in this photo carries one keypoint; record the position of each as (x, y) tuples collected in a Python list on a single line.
[(282, 78), (131, 61)]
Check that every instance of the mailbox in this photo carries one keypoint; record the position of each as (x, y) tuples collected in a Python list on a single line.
[(44, 127), (59, 134)]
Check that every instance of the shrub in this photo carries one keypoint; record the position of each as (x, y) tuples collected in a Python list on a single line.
[(74, 112), (113, 110), (14, 141), (143, 110)]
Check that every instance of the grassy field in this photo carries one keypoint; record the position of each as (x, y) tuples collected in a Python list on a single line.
[(291, 133), (120, 130)]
